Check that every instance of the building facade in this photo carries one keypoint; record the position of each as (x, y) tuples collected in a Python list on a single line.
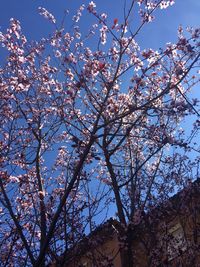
[(167, 236)]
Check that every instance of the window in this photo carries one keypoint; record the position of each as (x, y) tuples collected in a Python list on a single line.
[(176, 242)]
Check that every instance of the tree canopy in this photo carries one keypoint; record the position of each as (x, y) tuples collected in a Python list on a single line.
[(90, 122)]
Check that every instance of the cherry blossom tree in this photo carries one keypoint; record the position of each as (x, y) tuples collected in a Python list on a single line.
[(90, 121)]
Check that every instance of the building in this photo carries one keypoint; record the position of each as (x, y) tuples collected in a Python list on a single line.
[(167, 236)]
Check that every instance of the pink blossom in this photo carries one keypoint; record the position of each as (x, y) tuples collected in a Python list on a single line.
[(140, 2), (57, 53), (166, 4), (46, 14), (76, 17), (103, 34), (14, 179), (104, 16), (91, 7)]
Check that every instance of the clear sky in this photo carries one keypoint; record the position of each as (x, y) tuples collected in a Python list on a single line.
[(185, 12)]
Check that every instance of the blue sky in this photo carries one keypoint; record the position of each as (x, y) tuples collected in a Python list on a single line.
[(185, 12)]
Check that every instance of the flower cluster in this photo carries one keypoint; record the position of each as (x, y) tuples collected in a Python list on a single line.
[(91, 7), (78, 15), (103, 34), (46, 14)]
